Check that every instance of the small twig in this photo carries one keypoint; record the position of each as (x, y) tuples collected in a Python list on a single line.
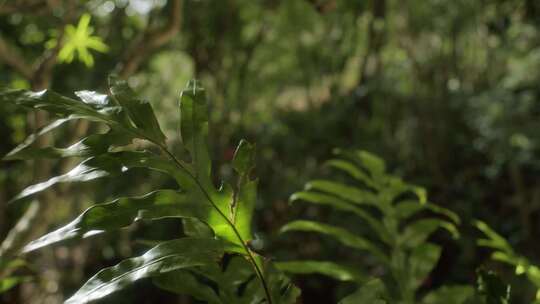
[(34, 7), (150, 40), (12, 58)]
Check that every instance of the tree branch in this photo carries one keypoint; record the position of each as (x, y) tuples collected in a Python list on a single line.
[(43, 67), (150, 40), (12, 58), (37, 217), (35, 7)]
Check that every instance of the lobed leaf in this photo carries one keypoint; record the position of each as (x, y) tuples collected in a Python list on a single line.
[(183, 253), (324, 199), (121, 213), (409, 208), (336, 271), (92, 145), (184, 282), (416, 233), (194, 130), (340, 234), (422, 260), (139, 111), (373, 292), (244, 157), (495, 240), (57, 104), (449, 294), (26, 144), (90, 169), (353, 170), (343, 191)]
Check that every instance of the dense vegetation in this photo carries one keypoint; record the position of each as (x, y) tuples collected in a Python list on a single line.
[(411, 126)]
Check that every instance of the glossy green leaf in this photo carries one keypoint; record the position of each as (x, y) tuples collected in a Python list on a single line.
[(139, 111), (57, 104), (112, 164), (336, 271), (27, 143), (194, 129), (222, 212), (92, 145), (122, 212), (90, 169), (166, 257)]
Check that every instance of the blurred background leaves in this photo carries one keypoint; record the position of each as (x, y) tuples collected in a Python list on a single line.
[(445, 91)]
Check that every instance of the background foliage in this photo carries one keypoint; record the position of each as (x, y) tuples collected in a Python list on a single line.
[(445, 91)]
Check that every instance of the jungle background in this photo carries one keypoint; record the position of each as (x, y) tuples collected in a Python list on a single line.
[(447, 92)]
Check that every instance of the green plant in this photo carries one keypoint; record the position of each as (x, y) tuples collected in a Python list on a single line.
[(78, 42), (392, 210), (490, 289), (9, 281), (503, 252), (217, 220)]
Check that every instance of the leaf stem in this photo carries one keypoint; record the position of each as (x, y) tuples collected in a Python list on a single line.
[(251, 258)]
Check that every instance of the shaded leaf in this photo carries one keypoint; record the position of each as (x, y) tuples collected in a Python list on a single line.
[(422, 260), (323, 199), (417, 232), (343, 191), (449, 295), (491, 288), (352, 170), (331, 269), (339, 234), (139, 111), (373, 292), (183, 282)]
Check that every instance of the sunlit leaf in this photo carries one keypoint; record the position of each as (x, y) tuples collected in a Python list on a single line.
[(78, 41)]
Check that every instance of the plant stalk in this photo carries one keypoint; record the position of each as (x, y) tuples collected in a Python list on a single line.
[(251, 258)]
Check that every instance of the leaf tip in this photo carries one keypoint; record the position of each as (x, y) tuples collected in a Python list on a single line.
[(244, 157)]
